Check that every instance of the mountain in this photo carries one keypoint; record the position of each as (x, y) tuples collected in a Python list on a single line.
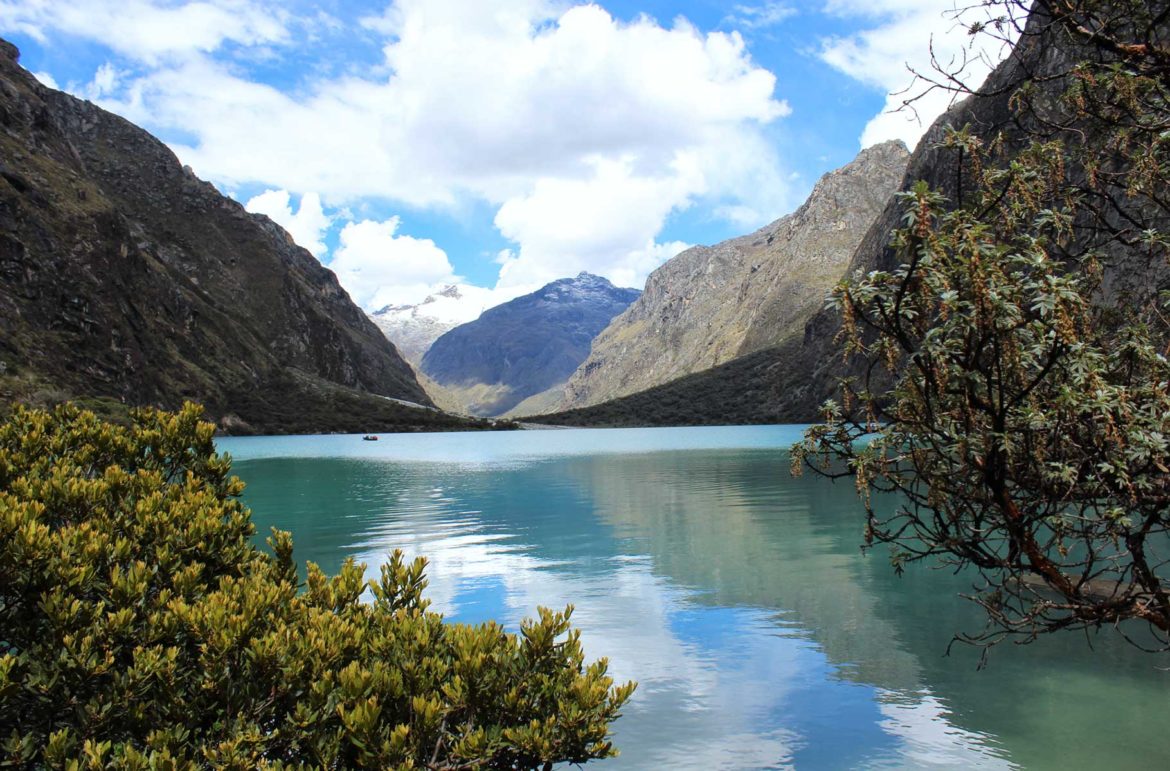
[(788, 382), (413, 328), (525, 346), (710, 305), (126, 280)]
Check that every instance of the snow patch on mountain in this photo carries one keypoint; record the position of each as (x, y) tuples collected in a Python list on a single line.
[(413, 328)]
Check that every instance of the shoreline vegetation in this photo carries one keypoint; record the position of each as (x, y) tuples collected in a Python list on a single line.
[(343, 411), (141, 627)]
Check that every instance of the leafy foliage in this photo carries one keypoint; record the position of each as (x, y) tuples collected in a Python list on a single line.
[(1028, 432), (140, 628)]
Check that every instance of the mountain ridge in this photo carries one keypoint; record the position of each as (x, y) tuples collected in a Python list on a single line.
[(127, 280), (527, 345), (712, 304)]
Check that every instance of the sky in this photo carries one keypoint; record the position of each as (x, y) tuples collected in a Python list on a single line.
[(501, 144)]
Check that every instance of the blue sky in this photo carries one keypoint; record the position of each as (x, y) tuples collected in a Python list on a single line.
[(498, 144)]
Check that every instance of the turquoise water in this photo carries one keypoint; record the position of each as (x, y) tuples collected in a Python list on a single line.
[(736, 595)]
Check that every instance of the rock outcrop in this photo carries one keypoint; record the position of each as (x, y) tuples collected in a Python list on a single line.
[(525, 346), (125, 279), (710, 305)]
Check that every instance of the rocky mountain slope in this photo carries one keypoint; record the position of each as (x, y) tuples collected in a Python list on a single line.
[(788, 382), (710, 305), (527, 345), (126, 280), (414, 328)]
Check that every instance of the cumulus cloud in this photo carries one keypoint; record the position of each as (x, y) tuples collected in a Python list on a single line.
[(585, 132), (307, 225), (158, 29), (46, 79), (482, 98), (105, 81), (898, 43), (605, 223), (378, 267)]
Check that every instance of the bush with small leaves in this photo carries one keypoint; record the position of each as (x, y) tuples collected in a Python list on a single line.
[(1026, 328), (141, 628)]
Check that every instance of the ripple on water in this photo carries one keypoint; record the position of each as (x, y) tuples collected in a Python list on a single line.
[(733, 593)]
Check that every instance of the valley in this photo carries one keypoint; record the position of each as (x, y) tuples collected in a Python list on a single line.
[(479, 384)]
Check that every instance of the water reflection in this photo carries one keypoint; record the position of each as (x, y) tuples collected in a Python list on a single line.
[(734, 594)]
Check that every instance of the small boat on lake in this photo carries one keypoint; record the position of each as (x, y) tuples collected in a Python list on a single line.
[(370, 438)]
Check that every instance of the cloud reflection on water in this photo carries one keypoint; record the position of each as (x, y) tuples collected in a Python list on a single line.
[(736, 686), (734, 594)]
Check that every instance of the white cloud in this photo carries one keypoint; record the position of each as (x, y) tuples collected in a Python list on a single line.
[(477, 102), (640, 263), (605, 223), (46, 79), (883, 56), (608, 222), (466, 303), (379, 267), (307, 225), (157, 29), (105, 81), (585, 132), (769, 14)]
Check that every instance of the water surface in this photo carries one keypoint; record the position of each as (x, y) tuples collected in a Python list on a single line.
[(736, 595)]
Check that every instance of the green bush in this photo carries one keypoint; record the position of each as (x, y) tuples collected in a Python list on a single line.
[(141, 628), (1026, 327)]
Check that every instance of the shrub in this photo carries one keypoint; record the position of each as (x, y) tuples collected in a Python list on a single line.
[(1026, 325), (140, 627)]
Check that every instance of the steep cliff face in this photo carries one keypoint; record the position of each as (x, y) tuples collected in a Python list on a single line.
[(525, 346), (125, 277), (710, 305)]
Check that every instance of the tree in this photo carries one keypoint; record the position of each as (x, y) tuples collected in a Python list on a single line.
[(141, 628), (1024, 329)]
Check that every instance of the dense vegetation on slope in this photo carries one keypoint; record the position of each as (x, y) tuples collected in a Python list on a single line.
[(742, 391), (126, 279), (140, 627)]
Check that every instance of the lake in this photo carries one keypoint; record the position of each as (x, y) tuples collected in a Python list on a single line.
[(736, 595)]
